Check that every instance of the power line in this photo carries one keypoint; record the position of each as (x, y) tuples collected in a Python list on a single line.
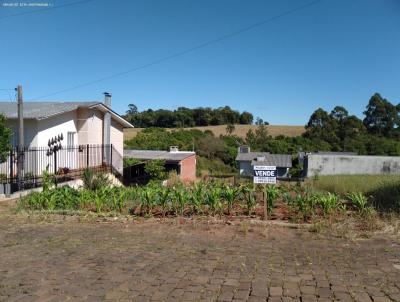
[(8, 92), (186, 51), (46, 9)]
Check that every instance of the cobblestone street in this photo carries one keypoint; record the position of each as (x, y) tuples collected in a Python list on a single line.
[(68, 260)]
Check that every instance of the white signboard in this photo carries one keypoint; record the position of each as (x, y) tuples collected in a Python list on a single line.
[(264, 175)]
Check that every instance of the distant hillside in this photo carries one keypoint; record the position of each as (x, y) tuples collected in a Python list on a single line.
[(240, 130)]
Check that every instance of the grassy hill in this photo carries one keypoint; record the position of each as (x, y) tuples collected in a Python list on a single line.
[(240, 130)]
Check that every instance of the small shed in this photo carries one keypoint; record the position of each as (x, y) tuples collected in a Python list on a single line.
[(183, 162), (246, 160)]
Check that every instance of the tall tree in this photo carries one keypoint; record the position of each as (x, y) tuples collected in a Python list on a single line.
[(339, 113), (132, 109), (381, 116), (323, 127), (246, 118)]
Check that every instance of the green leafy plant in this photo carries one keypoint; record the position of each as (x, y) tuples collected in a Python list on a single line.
[(156, 169), (272, 193), (230, 194), (359, 201), (248, 194), (329, 202), (213, 197)]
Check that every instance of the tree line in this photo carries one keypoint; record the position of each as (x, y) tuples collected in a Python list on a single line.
[(377, 133), (186, 117)]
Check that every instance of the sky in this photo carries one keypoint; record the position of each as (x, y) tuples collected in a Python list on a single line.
[(332, 52)]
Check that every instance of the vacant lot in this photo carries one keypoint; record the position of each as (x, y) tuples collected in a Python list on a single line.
[(343, 184), (240, 130), (58, 258)]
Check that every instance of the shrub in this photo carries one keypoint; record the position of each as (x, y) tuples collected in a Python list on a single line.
[(156, 169), (94, 182)]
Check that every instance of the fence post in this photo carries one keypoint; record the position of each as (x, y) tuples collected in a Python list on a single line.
[(11, 164), (87, 156), (55, 162)]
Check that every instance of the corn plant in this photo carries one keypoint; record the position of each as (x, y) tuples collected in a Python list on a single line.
[(272, 193), (329, 203), (213, 197), (180, 198), (197, 197), (359, 201), (147, 198), (230, 194), (305, 204), (164, 198), (248, 194)]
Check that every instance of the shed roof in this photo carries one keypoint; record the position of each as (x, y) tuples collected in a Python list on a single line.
[(278, 160), (43, 110), (157, 154)]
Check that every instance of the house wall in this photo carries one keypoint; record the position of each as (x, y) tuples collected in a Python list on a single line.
[(30, 132), (245, 168), (117, 137), (54, 126), (90, 126), (188, 169), (350, 164)]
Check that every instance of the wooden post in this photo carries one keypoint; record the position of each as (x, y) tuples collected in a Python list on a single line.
[(265, 199)]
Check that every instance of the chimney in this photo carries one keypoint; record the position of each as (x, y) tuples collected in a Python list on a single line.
[(107, 99), (107, 130), (244, 149), (173, 149)]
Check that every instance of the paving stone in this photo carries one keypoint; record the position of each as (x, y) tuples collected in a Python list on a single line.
[(72, 260)]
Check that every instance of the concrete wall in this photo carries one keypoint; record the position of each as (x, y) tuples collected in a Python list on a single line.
[(188, 169), (315, 164)]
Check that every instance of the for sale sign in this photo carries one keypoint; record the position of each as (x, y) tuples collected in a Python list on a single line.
[(264, 175)]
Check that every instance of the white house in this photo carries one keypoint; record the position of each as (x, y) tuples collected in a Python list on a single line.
[(79, 123)]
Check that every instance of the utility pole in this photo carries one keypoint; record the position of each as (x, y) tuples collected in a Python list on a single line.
[(21, 141)]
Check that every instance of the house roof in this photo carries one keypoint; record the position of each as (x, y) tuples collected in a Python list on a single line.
[(44, 110), (250, 156), (278, 160), (157, 154)]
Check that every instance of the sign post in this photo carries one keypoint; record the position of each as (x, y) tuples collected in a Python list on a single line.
[(265, 175)]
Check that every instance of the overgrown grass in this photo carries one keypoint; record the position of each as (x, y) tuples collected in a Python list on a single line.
[(382, 191), (343, 184)]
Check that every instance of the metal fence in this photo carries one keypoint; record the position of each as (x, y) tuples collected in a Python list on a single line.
[(63, 163)]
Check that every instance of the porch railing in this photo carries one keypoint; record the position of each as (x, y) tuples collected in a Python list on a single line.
[(63, 164)]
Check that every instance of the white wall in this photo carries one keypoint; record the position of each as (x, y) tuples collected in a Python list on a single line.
[(351, 164), (53, 126)]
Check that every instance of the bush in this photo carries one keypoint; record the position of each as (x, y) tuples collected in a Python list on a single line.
[(92, 181), (156, 169)]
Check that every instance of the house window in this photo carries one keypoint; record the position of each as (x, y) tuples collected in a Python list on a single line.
[(70, 140)]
